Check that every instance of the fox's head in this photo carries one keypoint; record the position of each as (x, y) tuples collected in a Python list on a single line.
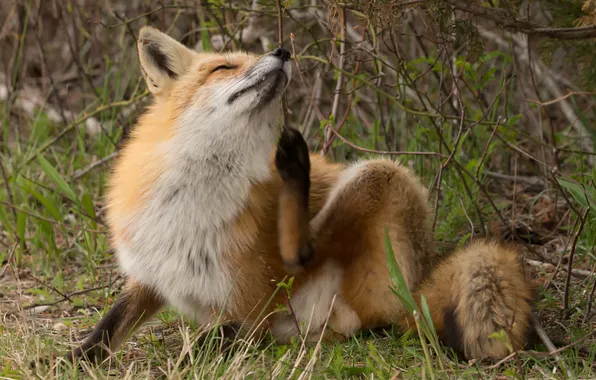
[(211, 88)]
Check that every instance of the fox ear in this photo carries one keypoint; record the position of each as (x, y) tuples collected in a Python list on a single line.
[(163, 59)]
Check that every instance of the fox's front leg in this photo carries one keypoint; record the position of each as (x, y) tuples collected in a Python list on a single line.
[(133, 307), (293, 164)]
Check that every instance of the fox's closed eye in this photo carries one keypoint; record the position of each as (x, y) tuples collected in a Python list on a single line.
[(223, 67)]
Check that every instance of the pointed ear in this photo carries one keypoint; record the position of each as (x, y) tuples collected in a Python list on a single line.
[(163, 59)]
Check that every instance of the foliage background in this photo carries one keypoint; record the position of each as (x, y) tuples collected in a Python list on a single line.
[(500, 125)]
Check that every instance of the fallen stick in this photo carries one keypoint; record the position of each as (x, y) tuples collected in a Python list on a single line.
[(550, 267)]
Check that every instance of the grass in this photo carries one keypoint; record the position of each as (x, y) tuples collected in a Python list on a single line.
[(58, 274), (59, 248), (62, 277)]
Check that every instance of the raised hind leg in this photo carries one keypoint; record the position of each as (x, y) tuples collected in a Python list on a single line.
[(369, 198)]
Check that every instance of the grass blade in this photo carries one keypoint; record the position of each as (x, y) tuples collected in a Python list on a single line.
[(56, 178)]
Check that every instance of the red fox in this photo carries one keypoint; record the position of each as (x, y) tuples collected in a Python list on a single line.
[(210, 206)]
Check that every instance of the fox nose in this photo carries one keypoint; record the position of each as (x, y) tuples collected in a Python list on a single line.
[(282, 53)]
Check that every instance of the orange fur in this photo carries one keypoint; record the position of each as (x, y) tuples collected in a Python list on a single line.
[(348, 210), (140, 163), (485, 288), (293, 224)]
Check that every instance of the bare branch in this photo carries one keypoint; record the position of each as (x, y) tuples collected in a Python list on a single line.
[(506, 19)]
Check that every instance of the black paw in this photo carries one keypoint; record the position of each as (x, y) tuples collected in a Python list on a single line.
[(292, 158), (306, 253), (94, 354)]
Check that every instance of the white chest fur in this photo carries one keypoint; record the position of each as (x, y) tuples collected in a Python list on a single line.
[(178, 238)]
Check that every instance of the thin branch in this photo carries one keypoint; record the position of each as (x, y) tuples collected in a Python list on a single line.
[(340, 78), (578, 273), (485, 152), (506, 19), (10, 256), (505, 177), (75, 228), (81, 172), (590, 298), (570, 262), (502, 361), (78, 121), (68, 297), (126, 22), (7, 187), (549, 345), (560, 98), (573, 344), (280, 39), (381, 152)]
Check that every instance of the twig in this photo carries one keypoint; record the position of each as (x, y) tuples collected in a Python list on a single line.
[(292, 313), (505, 18), (560, 98), (51, 79), (437, 182), (573, 344), (7, 187), (570, 263), (581, 273), (75, 228), (352, 145), (280, 38), (280, 24), (78, 121), (131, 32), (143, 15), (550, 79), (544, 337), (463, 207), (349, 105), (81, 172), (70, 295), (74, 48), (485, 152), (340, 78), (590, 297), (392, 99), (66, 297), (549, 345), (528, 180), (297, 64), (504, 360), (10, 256)]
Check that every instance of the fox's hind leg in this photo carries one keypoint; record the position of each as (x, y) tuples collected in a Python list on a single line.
[(135, 305), (369, 197), (293, 164)]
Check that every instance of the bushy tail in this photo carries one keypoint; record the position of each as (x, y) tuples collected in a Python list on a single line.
[(480, 300)]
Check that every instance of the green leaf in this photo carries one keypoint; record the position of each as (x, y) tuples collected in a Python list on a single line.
[(585, 197), (503, 337), (21, 224), (427, 316), (206, 42), (4, 219), (52, 209), (401, 289), (87, 203), (56, 178)]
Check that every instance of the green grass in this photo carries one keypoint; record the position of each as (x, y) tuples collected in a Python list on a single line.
[(59, 246)]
